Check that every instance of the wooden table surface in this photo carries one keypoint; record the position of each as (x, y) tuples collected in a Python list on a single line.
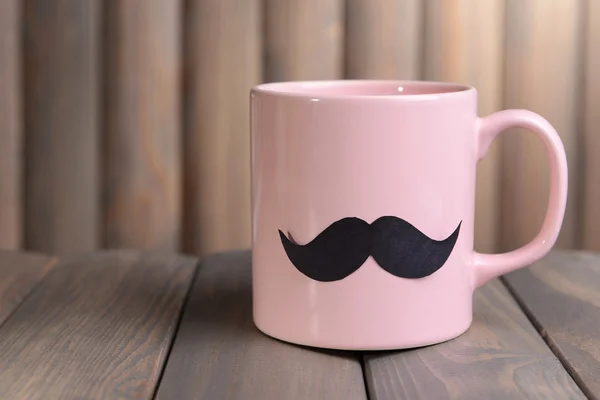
[(134, 325)]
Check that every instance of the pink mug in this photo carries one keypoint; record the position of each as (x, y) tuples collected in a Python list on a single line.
[(363, 199)]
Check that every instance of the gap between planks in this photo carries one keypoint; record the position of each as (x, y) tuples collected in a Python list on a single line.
[(184, 306), (549, 341)]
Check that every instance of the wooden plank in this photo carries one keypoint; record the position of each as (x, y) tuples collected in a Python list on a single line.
[(222, 62), (464, 43), (383, 39), (590, 167), (98, 326), (10, 124), (141, 188), (19, 274), (500, 357), (560, 294), (543, 61), (61, 106), (303, 39), (218, 352)]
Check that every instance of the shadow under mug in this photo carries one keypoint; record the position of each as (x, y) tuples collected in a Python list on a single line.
[(363, 203)]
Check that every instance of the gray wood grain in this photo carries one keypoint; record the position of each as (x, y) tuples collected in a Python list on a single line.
[(11, 134), (61, 116), (383, 39), (589, 141), (561, 294), (19, 274), (303, 40), (219, 354), (98, 326), (541, 33), (222, 61), (141, 185), (500, 357)]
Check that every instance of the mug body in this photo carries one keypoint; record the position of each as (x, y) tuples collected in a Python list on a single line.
[(384, 167)]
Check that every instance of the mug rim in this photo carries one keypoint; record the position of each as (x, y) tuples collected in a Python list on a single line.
[(363, 89)]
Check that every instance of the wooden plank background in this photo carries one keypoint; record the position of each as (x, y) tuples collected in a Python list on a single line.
[(61, 115), (133, 130), (543, 62), (116, 354), (303, 39), (590, 143), (142, 187), (11, 133), (383, 39), (222, 61), (560, 296)]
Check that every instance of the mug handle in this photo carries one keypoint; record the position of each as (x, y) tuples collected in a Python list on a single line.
[(488, 266)]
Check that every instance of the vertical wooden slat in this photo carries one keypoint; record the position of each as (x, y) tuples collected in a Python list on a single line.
[(61, 124), (590, 182), (141, 150), (10, 125), (303, 39), (383, 39), (222, 63), (542, 69), (464, 43)]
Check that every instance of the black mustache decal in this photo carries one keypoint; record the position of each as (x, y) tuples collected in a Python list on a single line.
[(396, 245)]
